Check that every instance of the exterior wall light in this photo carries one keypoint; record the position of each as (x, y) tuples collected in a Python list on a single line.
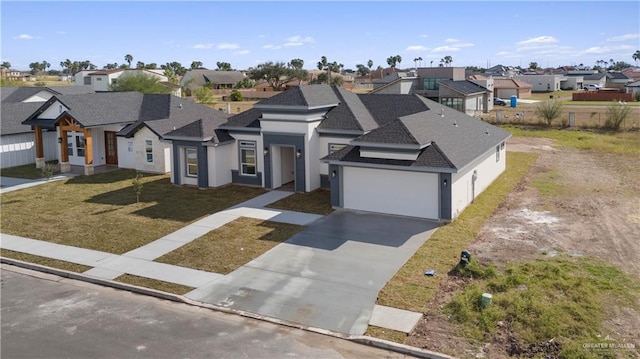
[(444, 183), (333, 174), (298, 154), (266, 152)]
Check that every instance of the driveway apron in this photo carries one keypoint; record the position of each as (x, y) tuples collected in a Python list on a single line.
[(327, 276)]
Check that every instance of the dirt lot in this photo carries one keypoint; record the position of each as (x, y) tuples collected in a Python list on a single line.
[(575, 202)]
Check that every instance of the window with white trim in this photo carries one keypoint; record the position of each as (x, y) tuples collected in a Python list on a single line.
[(191, 155), (247, 158), (335, 147), (70, 144), (498, 153), (80, 144), (87, 80), (148, 150)]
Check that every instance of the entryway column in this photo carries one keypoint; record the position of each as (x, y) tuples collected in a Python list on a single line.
[(39, 148), (88, 152), (65, 166)]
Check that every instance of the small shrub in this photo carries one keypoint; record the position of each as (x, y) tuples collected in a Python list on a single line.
[(549, 111), (203, 95), (137, 186), (49, 170), (616, 114), (236, 96), (474, 270)]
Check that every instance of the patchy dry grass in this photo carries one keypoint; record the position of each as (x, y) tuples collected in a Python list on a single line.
[(231, 246), (410, 289), (316, 202), (25, 171), (49, 262), (100, 211), (154, 284)]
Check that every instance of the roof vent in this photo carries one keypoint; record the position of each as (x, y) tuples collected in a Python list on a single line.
[(174, 128), (486, 130), (455, 123), (180, 106), (442, 112)]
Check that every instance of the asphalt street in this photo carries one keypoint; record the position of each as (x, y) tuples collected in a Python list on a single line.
[(45, 316)]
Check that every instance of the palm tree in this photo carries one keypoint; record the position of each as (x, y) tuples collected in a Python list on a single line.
[(393, 60), (370, 65), (415, 62), (196, 64), (398, 59), (6, 65), (128, 58), (420, 60), (448, 60), (636, 57)]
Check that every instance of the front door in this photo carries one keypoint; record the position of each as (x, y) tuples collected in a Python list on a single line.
[(111, 147)]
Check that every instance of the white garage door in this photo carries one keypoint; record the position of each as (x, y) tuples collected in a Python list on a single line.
[(403, 193)]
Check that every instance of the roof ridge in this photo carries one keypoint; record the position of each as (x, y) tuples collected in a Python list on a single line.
[(437, 148)]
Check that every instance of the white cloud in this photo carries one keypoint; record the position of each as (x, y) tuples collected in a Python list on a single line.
[(445, 49), (536, 42), (271, 47), (606, 49), (416, 48), (25, 37), (228, 46), (298, 41), (203, 46), (424, 35), (503, 53), (625, 37), (451, 40), (241, 52)]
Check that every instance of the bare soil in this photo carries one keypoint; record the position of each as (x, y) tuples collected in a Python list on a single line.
[(592, 209)]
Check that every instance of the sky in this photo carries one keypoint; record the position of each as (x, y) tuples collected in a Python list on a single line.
[(245, 34)]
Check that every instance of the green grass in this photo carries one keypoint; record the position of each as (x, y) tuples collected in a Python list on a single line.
[(154, 284), (25, 171), (561, 297), (316, 202), (231, 246), (48, 262), (387, 334), (547, 183), (410, 289), (100, 211), (605, 142)]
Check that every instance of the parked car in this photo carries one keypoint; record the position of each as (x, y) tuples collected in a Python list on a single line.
[(499, 101), (592, 87)]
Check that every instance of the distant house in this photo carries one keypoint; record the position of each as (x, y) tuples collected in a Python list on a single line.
[(101, 80), (502, 71), (633, 87), (216, 80), (446, 85), (17, 141), (544, 83), (113, 128), (617, 80), (599, 79), (505, 88)]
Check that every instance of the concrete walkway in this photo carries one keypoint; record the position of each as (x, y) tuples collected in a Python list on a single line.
[(328, 276), (9, 184)]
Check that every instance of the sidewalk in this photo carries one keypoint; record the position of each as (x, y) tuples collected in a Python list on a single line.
[(9, 184), (140, 261)]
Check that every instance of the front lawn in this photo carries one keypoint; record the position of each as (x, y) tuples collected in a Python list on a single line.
[(316, 202), (231, 246), (26, 171), (100, 212)]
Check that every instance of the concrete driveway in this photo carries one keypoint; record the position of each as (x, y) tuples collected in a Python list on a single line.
[(327, 276)]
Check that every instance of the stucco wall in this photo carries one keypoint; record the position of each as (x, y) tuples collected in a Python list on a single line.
[(323, 149), (487, 171)]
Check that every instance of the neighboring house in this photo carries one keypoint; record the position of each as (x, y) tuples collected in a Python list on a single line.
[(599, 79), (101, 80), (633, 87), (11, 74), (543, 83), (446, 85), (217, 80), (505, 88), (114, 128), (395, 154), (17, 142), (502, 71), (617, 80)]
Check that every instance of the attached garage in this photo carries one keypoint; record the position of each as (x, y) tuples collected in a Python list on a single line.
[(402, 193)]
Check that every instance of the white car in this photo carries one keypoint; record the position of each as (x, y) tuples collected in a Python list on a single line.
[(592, 87)]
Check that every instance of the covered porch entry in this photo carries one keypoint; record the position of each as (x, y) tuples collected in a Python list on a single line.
[(284, 161)]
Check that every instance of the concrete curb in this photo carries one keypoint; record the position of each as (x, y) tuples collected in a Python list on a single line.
[(360, 339)]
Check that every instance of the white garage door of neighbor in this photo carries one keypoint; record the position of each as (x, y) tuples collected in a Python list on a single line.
[(403, 193)]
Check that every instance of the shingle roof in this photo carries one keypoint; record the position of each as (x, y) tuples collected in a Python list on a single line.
[(386, 108), (617, 76), (633, 84), (464, 87), (249, 118), (200, 77), (510, 84), (594, 77), (201, 130), (311, 96), (430, 156), (19, 94), (350, 115), (13, 114), (99, 109)]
